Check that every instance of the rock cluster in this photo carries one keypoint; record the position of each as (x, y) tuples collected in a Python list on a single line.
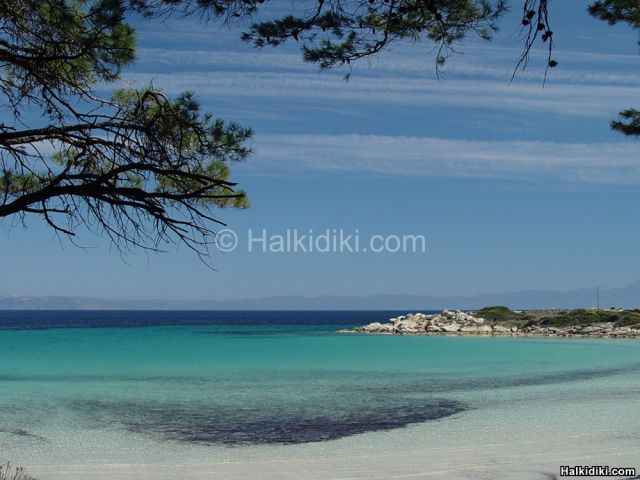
[(463, 323)]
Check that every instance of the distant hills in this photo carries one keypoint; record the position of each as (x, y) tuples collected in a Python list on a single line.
[(627, 297)]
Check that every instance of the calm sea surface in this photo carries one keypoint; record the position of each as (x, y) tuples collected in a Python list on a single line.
[(105, 388)]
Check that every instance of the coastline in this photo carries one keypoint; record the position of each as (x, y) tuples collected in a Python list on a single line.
[(528, 406), (501, 321)]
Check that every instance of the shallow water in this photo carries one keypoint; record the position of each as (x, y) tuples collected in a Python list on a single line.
[(271, 395)]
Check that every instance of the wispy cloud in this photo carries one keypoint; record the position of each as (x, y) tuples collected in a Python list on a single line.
[(488, 62), (570, 99), (586, 84), (610, 163)]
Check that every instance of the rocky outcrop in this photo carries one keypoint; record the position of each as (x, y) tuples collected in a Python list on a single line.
[(468, 323)]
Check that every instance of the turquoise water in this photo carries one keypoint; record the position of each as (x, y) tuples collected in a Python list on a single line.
[(219, 394)]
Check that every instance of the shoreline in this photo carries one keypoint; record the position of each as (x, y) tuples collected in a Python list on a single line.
[(503, 322), (529, 406)]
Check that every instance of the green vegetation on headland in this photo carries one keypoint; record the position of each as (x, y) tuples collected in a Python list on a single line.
[(560, 318), (501, 320), (501, 314), (564, 318)]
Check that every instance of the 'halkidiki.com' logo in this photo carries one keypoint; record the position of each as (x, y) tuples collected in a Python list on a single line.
[(330, 240)]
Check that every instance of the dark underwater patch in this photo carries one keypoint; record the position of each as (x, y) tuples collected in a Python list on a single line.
[(287, 424), (301, 406), (19, 432), (437, 385)]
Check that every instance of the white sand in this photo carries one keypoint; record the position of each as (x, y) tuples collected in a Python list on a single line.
[(518, 438)]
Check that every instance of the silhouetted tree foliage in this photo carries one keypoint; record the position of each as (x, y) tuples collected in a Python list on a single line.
[(336, 32), (146, 169), (139, 166), (613, 12), (616, 11)]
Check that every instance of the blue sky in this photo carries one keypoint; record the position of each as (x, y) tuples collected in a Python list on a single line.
[(514, 186)]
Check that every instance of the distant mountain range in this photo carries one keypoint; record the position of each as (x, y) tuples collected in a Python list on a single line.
[(628, 296)]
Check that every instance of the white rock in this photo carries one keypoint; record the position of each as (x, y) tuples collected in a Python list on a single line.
[(484, 329), (501, 329), (469, 329), (405, 326), (386, 328), (451, 327), (372, 327)]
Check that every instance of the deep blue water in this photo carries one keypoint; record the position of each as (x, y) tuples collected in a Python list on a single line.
[(42, 319)]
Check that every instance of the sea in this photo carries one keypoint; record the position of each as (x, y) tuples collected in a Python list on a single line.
[(282, 395)]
